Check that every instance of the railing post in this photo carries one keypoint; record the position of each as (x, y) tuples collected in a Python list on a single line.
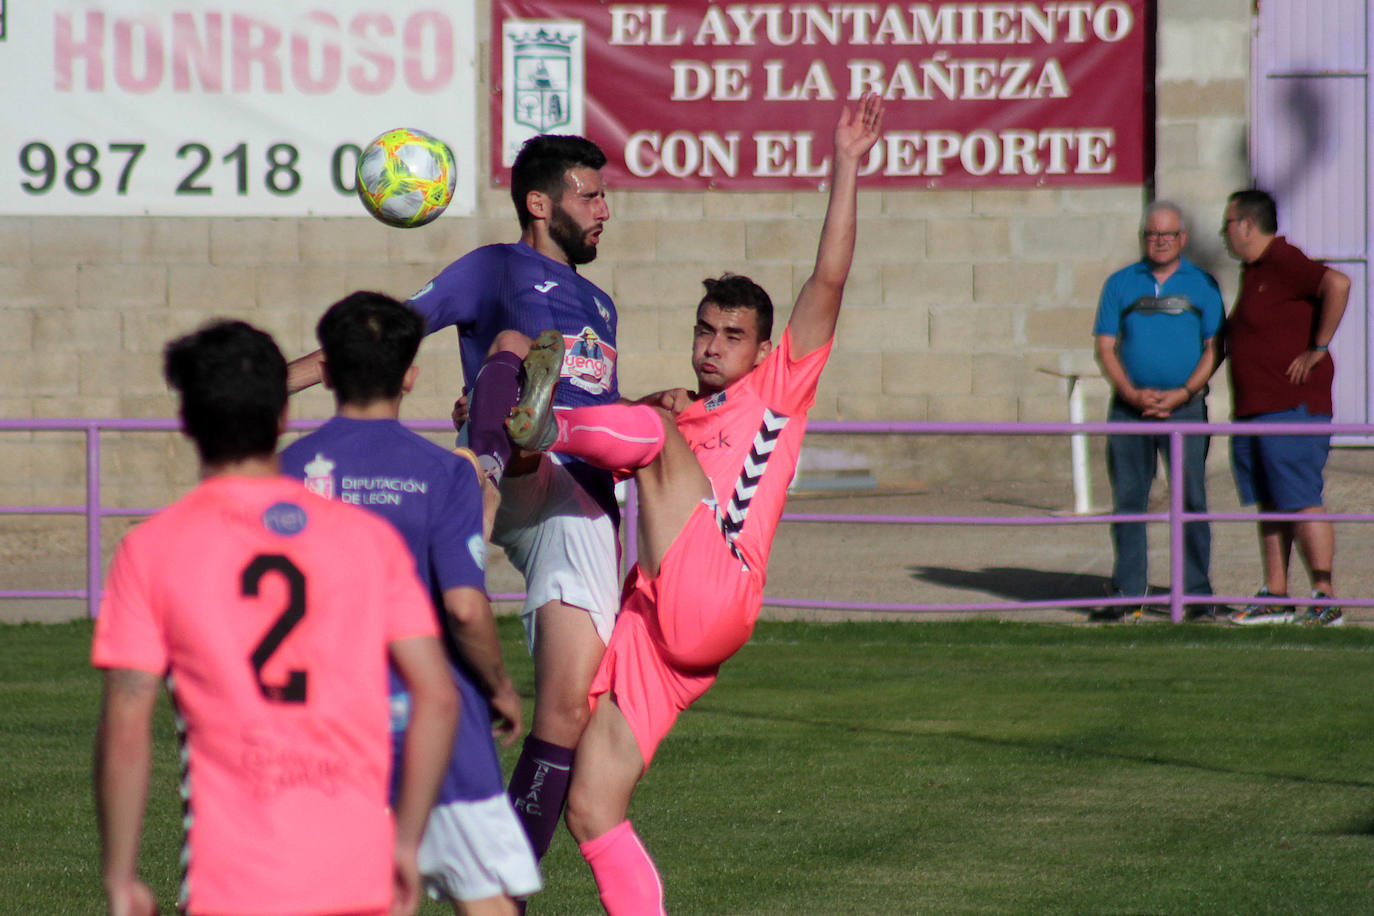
[(93, 517), (1176, 541), (629, 525)]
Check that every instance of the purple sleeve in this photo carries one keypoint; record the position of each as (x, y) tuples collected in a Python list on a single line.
[(458, 295), (458, 552)]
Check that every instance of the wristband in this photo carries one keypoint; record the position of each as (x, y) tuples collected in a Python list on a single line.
[(1320, 348)]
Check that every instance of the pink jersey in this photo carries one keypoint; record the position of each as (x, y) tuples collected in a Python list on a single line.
[(271, 609), (748, 439)]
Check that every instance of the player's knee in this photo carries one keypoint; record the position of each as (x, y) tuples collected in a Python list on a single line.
[(512, 341), (580, 813), (561, 720)]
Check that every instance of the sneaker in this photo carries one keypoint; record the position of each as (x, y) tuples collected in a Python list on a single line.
[(1326, 615), (1258, 613), (1116, 612), (530, 424), (1204, 613)]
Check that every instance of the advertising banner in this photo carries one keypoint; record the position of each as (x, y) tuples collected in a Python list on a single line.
[(694, 94), (242, 108)]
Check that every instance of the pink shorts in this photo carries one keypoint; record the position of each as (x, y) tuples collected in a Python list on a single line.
[(676, 629)]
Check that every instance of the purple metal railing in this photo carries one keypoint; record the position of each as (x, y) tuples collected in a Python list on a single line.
[(1176, 518)]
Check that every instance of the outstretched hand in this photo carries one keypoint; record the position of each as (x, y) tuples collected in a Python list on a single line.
[(858, 130)]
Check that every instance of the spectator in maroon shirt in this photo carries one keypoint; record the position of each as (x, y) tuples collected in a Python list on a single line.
[(1277, 337)]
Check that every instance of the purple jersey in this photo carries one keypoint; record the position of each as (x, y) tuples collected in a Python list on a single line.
[(513, 287), (433, 498)]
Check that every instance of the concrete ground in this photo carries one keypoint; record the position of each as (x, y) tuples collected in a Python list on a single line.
[(878, 563)]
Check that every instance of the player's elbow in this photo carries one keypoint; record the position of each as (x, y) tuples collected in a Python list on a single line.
[(435, 697), (1336, 283)]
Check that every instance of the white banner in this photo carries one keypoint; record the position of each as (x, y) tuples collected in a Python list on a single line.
[(241, 108)]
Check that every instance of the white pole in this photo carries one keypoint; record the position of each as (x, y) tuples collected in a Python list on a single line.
[(1078, 450)]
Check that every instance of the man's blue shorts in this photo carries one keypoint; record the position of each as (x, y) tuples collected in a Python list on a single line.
[(1282, 472)]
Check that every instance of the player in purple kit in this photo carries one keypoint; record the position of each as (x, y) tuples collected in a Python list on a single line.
[(474, 851), (558, 518)]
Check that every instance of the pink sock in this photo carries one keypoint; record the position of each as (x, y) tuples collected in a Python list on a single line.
[(618, 437), (624, 873)]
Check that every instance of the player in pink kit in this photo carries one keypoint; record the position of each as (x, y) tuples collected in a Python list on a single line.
[(711, 490), (272, 613)]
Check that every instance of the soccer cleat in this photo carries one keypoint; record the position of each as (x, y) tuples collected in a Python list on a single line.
[(530, 424), (1326, 615), (1257, 613)]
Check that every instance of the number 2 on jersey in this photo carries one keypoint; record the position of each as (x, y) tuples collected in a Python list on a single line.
[(293, 691)]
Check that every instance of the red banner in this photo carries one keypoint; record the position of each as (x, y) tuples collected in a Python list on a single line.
[(691, 95)]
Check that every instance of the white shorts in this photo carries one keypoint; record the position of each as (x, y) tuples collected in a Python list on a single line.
[(473, 850), (562, 542)]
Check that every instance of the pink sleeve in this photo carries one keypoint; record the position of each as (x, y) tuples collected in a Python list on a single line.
[(409, 610), (128, 630), (786, 385)]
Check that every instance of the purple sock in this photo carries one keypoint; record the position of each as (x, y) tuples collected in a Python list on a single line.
[(538, 788), (494, 393)]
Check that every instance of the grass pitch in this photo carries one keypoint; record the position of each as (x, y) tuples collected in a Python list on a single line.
[(939, 768)]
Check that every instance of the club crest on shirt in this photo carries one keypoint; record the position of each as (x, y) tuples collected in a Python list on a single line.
[(588, 362), (601, 310), (319, 476), (286, 519)]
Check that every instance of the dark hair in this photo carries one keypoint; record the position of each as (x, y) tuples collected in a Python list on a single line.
[(232, 382), (1258, 207), (542, 164), (732, 291), (369, 341)]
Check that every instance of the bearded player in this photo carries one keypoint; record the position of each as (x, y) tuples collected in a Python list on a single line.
[(558, 517)]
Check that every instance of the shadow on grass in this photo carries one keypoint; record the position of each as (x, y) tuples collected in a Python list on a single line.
[(1359, 827), (1016, 583)]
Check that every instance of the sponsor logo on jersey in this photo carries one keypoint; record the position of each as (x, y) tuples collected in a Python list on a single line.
[(588, 362), (715, 400), (286, 519), (319, 476), (424, 289), (545, 286), (601, 310)]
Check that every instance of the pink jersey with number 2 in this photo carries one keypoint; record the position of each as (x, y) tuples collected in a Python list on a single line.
[(271, 609)]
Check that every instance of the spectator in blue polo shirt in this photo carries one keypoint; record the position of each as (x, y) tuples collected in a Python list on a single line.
[(1156, 330)]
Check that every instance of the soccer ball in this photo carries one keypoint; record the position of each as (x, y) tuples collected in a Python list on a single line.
[(406, 177)]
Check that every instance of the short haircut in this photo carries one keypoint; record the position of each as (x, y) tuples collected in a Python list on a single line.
[(1258, 207), (1168, 205), (729, 292), (369, 341), (232, 382), (542, 164)]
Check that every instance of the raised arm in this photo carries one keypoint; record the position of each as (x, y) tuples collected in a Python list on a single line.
[(818, 304), (304, 372)]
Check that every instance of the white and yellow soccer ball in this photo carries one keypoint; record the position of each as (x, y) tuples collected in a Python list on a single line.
[(406, 177)]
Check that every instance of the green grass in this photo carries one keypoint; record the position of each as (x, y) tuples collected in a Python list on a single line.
[(887, 768)]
